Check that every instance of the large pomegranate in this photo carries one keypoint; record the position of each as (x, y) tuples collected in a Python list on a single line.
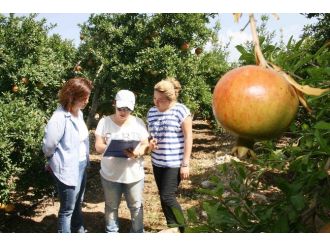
[(254, 102)]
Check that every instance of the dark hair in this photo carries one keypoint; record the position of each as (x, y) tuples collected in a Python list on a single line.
[(73, 91)]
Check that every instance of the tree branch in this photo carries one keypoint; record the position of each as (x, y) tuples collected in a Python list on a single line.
[(260, 59)]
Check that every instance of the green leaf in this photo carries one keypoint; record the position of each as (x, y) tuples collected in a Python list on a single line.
[(289, 42), (298, 201), (282, 224), (283, 184), (322, 125), (178, 216), (322, 142), (192, 214), (241, 172), (298, 44), (302, 62), (265, 216), (219, 190), (241, 49)]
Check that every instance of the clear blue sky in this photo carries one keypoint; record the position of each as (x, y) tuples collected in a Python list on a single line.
[(290, 24)]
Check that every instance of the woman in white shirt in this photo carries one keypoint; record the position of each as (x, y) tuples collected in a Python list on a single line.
[(122, 175)]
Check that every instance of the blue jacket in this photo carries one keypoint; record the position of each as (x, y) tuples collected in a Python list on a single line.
[(61, 146)]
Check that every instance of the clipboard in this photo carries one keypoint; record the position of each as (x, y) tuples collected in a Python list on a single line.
[(116, 148)]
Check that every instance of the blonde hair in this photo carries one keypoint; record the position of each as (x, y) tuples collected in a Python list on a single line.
[(170, 87)]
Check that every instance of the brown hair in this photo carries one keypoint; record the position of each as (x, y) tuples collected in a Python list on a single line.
[(73, 91), (170, 87)]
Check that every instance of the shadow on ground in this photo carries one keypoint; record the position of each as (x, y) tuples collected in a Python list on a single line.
[(94, 223)]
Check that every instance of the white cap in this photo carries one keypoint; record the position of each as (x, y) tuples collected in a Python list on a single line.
[(125, 98)]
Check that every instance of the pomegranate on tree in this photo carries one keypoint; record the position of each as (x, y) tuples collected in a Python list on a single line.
[(184, 46), (258, 102), (15, 89), (25, 80), (254, 102), (198, 51), (77, 68)]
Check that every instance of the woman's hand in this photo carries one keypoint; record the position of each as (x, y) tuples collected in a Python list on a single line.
[(184, 172), (153, 144), (132, 154), (100, 144)]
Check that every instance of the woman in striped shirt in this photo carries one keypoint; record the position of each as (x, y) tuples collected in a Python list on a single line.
[(170, 126)]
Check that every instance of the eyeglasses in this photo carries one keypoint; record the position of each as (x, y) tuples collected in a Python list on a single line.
[(124, 109)]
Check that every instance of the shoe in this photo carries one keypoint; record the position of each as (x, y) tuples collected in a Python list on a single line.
[(81, 230)]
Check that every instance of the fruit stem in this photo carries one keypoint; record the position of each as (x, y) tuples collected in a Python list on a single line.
[(260, 59), (243, 148)]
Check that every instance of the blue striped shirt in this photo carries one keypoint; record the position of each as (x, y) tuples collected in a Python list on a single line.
[(166, 128)]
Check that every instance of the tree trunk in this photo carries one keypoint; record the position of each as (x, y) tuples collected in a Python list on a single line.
[(95, 103), (95, 100)]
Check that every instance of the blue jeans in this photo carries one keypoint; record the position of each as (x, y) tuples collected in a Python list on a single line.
[(70, 215), (133, 193)]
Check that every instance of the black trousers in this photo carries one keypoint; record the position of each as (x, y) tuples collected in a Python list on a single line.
[(168, 180)]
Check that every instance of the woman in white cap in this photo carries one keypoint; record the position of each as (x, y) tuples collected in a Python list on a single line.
[(122, 174)]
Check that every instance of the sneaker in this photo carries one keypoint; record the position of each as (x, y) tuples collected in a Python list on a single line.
[(81, 230)]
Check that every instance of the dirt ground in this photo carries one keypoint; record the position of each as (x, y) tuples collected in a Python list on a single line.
[(42, 216)]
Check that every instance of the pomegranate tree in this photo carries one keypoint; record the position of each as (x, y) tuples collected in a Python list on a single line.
[(254, 102)]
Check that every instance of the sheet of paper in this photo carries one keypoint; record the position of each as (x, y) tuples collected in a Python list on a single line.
[(116, 148)]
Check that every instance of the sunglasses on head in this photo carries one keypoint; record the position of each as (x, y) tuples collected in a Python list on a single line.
[(124, 109)]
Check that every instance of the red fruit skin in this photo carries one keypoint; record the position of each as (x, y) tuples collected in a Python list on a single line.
[(198, 51), (185, 46), (254, 102)]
